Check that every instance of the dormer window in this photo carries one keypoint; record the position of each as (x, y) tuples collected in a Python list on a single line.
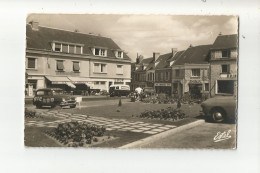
[(225, 53), (67, 48), (57, 47), (100, 52), (119, 54)]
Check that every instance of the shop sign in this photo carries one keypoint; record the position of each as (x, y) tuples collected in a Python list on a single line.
[(162, 84)]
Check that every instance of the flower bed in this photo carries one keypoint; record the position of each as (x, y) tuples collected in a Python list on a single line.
[(30, 114), (74, 134), (164, 114)]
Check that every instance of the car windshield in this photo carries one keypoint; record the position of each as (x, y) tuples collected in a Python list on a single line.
[(44, 93), (58, 92)]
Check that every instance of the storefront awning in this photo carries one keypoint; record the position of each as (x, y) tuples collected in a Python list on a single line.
[(79, 80), (58, 79), (70, 84)]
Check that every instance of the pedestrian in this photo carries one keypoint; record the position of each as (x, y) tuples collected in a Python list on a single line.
[(179, 104)]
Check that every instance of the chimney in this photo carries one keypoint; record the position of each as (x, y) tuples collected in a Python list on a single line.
[(156, 56), (174, 51), (220, 34), (191, 45), (35, 25)]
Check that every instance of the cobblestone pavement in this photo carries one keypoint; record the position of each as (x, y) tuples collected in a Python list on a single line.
[(110, 124)]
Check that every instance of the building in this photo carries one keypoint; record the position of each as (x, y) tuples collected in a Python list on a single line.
[(223, 65), (163, 72), (72, 60), (142, 67), (190, 72)]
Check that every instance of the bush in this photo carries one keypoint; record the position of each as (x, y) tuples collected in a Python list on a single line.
[(166, 114), (76, 133), (30, 114)]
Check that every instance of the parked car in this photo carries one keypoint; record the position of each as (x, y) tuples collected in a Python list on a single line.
[(220, 108), (52, 97), (119, 90)]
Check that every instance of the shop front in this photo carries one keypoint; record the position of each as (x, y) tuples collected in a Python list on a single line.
[(62, 82), (165, 88)]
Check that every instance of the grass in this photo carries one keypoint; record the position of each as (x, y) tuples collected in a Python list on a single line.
[(34, 137)]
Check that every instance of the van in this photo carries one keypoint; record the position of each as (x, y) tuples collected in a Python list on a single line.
[(119, 90)]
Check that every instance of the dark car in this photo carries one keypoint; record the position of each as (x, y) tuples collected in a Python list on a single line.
[(220, 108), (53, 97)]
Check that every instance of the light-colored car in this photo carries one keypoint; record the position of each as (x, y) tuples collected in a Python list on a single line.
[(220, 108)]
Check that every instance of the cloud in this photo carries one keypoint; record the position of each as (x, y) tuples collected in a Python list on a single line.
[(145, 34)]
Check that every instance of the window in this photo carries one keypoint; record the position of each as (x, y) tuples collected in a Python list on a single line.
[(167, 76), (100, 68), (225, 68), (78, 49), (65, 48), (119, 69), (102, 82), (161, 76), (102, 52), (119, 54), (225, 53), (177, 73), (96, 83), (195, 72), (225, 86), (76, 67), (31, 63), (57, 47), (206, 86), (71, 48), (103, 68), (60, 65), (99, 52)]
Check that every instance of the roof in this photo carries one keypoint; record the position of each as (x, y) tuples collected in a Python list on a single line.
[(225, 42), (165, 59), (194, 55), (146, 61), (42, 38)]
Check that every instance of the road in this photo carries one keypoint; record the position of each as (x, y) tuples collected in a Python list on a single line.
[(199, 137)]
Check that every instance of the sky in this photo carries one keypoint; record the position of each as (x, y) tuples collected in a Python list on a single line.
[(145, 34)]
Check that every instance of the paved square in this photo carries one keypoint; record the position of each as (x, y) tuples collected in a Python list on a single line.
[(110, 124)]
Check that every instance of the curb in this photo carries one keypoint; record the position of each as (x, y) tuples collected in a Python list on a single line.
[(139, 143)]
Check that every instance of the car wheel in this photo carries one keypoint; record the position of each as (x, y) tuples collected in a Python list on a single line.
[(218, 115), (38, 106)]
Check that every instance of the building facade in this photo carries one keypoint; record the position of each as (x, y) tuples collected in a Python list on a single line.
[(163, 72), (223, 65), (72, 61), (141, 74), (190, 72)]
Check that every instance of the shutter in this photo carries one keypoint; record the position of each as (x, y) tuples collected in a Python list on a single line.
[(65, 48), (31, 62), (60, 65), (96, 68), (71, 48), (76, 66), (78, 49)]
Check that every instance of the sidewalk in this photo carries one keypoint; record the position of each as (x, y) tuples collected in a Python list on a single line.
[(198, 137)]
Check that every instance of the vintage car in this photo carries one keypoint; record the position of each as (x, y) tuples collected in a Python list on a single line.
[(220, 108), (53, 97), (119, 90)]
